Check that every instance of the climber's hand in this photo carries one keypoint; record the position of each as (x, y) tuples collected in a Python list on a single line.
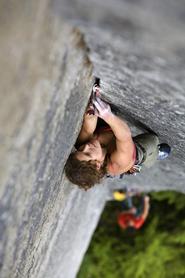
[(90, 111), (102, 109), (96, 91)]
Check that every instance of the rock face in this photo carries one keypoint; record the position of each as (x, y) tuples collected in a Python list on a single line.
[(51, 52)]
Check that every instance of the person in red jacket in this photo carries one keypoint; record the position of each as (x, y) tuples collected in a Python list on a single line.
[(131, 218)]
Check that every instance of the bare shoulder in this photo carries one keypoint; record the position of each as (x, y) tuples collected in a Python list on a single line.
[(121, 161), (117, 169)]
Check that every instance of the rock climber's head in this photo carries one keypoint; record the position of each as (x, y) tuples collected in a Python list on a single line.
[(92, 151), (87, 166)]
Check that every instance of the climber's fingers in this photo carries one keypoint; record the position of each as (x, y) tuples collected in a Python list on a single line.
[(90, 109), (96, 91), (102, 107), (102, 103), (97, 105)]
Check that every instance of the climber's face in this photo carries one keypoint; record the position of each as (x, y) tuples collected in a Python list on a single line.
[(91, 151)]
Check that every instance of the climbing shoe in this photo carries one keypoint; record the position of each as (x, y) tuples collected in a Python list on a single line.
[(164, 151)]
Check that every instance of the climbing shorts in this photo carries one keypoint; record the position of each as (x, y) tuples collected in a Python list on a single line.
[(147, 148)]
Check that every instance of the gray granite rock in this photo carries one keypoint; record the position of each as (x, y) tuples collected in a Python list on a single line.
[(46, 82), (51, 52), (137, 51)]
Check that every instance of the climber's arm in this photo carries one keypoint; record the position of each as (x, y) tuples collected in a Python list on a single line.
[(146, 207), (121, 159), (88, 126)]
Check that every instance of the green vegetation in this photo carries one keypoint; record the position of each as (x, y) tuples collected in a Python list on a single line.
[(157, 250)]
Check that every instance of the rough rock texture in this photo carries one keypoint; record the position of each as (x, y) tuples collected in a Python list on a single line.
[(46, 82), (137, 50), (50, 53)]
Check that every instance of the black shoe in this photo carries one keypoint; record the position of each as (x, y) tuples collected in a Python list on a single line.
[(164, 151)]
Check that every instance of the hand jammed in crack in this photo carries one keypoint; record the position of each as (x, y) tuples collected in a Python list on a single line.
[(101, 108)]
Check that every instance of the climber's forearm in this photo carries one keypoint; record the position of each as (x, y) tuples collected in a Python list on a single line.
[(119, 127), (89, 123), (88, 128), (146, 207)]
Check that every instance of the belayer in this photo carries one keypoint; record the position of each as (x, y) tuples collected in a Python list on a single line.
[(110, 150), (134, 217)]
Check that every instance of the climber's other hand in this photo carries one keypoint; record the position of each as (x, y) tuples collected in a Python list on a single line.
[(102, 109), (96, 92), (90, 111)]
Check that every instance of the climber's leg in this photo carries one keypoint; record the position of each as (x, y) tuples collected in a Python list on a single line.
[(148, 142)]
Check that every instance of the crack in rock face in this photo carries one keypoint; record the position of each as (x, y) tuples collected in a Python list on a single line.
[(41, 116)]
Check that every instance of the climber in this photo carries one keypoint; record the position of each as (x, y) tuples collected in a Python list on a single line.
[(109, 150), (134, 217)]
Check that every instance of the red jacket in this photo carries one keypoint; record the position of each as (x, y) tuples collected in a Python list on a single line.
[(123, 219)]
